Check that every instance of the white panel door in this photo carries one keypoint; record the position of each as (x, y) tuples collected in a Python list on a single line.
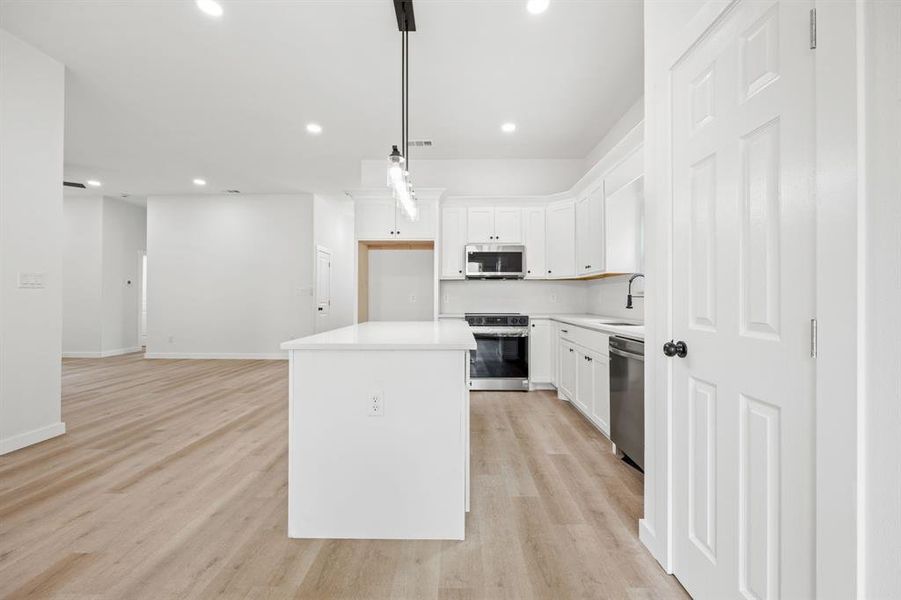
[(561, 240), (374, 218), (508, 225), (600, 407), (480, 225), (541, 351), (535, 240), (743, 297), (323, 287), (424, 227), (453, 242)]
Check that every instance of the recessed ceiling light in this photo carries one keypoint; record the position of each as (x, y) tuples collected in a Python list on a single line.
[(200, 181), (536, 7), (314, 128), (508, 127), (210, 7), (93, 183)]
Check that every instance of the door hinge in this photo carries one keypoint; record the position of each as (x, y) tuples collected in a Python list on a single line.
[(813, 29), (813, 338)]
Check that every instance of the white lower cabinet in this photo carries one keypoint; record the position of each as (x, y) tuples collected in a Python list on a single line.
[(600, 375), (541, 351), (566, 381), (583, 375)]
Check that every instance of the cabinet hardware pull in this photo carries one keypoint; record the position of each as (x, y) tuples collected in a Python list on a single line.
[(565, 330)]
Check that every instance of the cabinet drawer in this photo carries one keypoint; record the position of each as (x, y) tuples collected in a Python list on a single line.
[(587, 338)]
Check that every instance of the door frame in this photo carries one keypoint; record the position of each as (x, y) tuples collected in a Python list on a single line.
[(320, 248), (837, 68)]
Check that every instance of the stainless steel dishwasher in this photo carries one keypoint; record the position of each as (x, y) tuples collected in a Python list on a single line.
[(627, 397)]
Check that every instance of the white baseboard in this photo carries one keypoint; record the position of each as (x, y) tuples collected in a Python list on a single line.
[(29, 438), (120, 351), (102, 354), (541, 385), (217, 355)]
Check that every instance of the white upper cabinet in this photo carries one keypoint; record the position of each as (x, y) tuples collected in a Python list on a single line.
[(490, 225), (624, 217), (453, 241), (480, 225), (374, 218), (561, 241), (508, 225), (377, 217), (424, 227), (590, 232), (535, 241)]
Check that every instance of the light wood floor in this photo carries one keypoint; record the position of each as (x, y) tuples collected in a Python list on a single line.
[(172, 483)]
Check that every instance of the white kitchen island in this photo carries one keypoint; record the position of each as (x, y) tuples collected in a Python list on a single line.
[(378, 431)]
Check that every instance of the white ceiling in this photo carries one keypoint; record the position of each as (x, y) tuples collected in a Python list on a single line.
[(158, 93)]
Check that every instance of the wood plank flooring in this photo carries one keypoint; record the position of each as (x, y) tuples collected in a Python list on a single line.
[(172, 483)]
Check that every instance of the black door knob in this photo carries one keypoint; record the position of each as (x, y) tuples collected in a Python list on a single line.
[(672, 348)]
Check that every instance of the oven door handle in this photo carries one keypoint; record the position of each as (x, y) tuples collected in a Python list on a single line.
[(500, 334)]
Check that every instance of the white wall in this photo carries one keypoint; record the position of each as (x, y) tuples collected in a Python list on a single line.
[(31, 239), (488, 177), (333, 228), (124, 239), (527, 297), (401, 285), (82, 275), (228, 276), (608, 297)]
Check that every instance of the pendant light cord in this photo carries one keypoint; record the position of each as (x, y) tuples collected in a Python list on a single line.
[(407, 98)]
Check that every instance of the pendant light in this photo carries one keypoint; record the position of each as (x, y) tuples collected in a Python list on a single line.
[(399, 163)]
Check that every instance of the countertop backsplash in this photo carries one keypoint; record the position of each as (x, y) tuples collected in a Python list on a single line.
[(601, 297)]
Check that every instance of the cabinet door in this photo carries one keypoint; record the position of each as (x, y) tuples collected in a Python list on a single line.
[(508, 225), (374, 218), (480, 225), (561, 242), (600, 408), (423, 228), (624, 231), (535, 240), (596, 259), (583, 235), (585, 383), (453, 242), (541, 351), (568, 364)]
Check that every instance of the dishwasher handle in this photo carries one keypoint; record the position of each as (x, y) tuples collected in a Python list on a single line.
[(627, 354)]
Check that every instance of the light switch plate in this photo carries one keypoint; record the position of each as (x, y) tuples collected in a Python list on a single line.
[(31, 281)]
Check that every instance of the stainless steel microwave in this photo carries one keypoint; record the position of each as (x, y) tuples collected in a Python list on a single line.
[(495, 261)]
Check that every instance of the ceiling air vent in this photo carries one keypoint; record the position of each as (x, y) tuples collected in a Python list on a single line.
[(232, 191), (420, 143)]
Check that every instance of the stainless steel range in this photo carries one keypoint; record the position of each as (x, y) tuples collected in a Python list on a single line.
[(501, 359)]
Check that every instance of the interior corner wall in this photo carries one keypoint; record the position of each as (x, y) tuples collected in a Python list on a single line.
[(32, 108), (228, 276), (333, 227), (82, 275), (124, 241)]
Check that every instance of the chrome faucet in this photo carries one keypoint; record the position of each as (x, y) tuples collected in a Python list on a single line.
[(629, 296)]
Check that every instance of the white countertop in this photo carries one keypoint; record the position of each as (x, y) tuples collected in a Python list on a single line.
[(588, 321), (391, 335)]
